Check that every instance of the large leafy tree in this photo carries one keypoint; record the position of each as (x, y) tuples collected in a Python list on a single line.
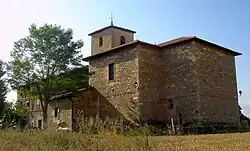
[(42, 62), (3, 88)]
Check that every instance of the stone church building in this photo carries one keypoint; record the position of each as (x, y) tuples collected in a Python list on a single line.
[(187, 79)]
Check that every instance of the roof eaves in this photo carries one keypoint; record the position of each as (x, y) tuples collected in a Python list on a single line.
[(185, 39), (118, 47), (110, 50), (111, 26), (216, 45)]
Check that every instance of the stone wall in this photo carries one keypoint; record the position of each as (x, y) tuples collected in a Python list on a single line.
[(180, 82), (107, 41), (64, 115), (129, 37), (111, 39), (217, 84), (122, 91), (92, 106), (150, 83), (34, 117)]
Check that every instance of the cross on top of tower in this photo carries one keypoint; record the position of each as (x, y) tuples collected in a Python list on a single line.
[(111, 19)]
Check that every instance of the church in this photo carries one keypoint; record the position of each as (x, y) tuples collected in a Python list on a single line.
[(187, 81)]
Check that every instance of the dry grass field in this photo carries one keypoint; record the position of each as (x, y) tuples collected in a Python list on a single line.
[(45, 141)]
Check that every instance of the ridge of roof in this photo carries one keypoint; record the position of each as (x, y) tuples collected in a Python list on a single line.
[(164, 44), (176, 40), (111, 26), (118, 47), (185, 39)]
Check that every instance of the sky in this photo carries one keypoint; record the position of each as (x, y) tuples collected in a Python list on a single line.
[(224, 22)]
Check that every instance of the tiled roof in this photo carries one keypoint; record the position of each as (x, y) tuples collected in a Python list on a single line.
[(111, 26), (185, 39), (118, 47), (177, 40), (164, 44)]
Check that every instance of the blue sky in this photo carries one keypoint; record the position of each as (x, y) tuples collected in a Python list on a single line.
[(225, 22)]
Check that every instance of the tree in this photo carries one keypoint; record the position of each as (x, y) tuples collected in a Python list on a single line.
[(3, 88), (13, 114), (42, 61)]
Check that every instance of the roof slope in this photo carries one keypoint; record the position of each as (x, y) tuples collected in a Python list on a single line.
[(177, 40), (185, 39), (111, 26), (118, 47), (164, 44)]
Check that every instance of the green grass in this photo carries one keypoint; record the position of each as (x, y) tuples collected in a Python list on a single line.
[(51, 141)]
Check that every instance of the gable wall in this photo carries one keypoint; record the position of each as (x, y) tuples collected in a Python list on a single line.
[(217, 84), (180, 82)]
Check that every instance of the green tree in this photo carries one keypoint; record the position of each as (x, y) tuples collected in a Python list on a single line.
[(43, 61), (13, 114), (8, 115), (3, 87)]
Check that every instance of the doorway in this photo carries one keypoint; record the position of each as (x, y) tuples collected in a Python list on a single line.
[(39, 124)]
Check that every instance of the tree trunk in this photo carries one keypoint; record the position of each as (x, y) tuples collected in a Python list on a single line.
[(45, 120), (45, 115)]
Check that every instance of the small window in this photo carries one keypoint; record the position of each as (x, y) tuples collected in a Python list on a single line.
[(111, 71), (170, 104), (38, 102), (122, 40), (39, 124), (56, 112), (180, 119), (100, 41)]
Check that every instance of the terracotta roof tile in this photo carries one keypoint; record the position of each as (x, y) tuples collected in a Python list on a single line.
[(177, 40), (111, 26), (164, 44)]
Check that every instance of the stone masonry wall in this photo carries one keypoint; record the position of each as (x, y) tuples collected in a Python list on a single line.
[(117, 35), (111, 39), (217, 85), (180, 83), (150, 84), (92, 106), (121, 92), (64, 115), (107, 41)]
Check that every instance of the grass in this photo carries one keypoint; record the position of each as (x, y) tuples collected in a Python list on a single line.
[(51, 141)]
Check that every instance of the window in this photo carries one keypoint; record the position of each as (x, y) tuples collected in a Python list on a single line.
[(100, 41), (170, 104), (39, 124), (180, 119), (111, 71), (56, 112), (122, 40)]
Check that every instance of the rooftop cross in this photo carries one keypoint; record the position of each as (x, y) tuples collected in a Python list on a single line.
[(111, 18)]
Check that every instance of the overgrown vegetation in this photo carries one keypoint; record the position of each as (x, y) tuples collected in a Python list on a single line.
[(32, 141)]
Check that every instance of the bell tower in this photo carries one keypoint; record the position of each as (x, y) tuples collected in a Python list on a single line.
[(110, 37)]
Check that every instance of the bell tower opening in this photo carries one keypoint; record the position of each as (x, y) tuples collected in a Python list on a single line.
[(110, 37)]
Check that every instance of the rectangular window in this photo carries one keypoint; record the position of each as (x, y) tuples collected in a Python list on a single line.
[(56, 112), (170, 104), (111, 71), (39, 124)]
